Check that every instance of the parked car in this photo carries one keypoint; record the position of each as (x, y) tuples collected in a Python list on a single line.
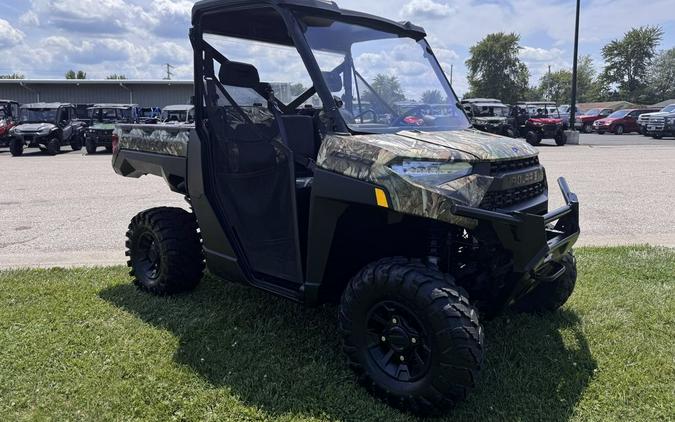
[(178, 114), (662, 124), (47, 126), (9, 112), (585, 121), (102, 123), (643, 120), (620, 122), (564, 112), (537, 120), (490, 115)]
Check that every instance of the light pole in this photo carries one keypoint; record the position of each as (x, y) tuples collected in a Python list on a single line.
[(574, 70)]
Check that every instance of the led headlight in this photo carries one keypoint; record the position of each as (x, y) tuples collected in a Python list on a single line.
[(432, 172), (671, 120)]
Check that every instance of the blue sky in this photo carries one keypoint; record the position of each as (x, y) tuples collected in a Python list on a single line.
[(44, 38)]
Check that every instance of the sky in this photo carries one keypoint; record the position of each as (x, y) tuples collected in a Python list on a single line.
[(44, 38)]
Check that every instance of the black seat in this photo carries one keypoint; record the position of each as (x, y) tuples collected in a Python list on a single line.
[(302, 140)]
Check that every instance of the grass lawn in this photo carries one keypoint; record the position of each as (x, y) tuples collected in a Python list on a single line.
[(84, 344)]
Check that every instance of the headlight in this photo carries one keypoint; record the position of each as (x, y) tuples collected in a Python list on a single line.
[(433, 173), (671, 120), (44, 131)]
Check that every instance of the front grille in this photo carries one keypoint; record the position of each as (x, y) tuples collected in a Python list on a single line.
[(508, 198), (500, 167), (658, 120)]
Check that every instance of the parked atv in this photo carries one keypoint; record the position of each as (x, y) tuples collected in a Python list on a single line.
[(103, 118), (538, 120), (9, 113), (47, 126), (417, 232), (491, 116)]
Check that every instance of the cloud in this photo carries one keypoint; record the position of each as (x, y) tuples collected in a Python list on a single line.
[(9, 36), (171, 17), (426, 9), (540, 54), (29, 18)]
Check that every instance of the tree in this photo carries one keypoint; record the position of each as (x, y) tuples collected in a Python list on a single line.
[(495, 69), (13, 76), (115, 76), (557, 86), (297, 89), (387, 87), (661, 77), (71, 74), (432, 97), (627, 60)]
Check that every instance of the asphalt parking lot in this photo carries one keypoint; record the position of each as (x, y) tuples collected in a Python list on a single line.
[(73, 210)]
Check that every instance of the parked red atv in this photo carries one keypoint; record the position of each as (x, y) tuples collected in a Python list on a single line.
[(539, 120), (9, 110)]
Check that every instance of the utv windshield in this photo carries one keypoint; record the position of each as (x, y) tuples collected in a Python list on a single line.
[(487, 110), (37, 115), (176, 116), (383, 83), (111, 115)]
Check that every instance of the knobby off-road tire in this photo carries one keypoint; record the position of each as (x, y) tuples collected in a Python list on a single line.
[(76, 143), (53, 146), (16, 148), (560, 139), (550, 296), (411, 335), (165, 251), (90, 146), (533, 138)]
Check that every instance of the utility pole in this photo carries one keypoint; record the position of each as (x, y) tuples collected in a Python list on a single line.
[(169, 73), (574, 70), (550, 82)]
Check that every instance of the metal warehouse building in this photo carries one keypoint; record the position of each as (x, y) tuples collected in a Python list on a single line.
[(146, 93)]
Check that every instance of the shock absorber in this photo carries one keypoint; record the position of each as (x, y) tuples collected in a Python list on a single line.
[(435, 239)]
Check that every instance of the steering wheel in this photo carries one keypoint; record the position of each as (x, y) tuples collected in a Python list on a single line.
[(404, 120), (363, 113)]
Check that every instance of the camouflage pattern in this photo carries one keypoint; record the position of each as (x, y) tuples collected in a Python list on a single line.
[(370, 157), (167, 140)]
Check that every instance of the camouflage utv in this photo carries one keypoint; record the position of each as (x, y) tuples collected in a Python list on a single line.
[(490, 115), (103, 118), (416, 231)]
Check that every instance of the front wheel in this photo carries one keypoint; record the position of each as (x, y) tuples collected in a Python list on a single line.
[(619, 130), (53, 146), (16, 148), (411, 335), (90, 146), (165, 251), (549, 296), (560, 139), (533, 138), (588, 128)]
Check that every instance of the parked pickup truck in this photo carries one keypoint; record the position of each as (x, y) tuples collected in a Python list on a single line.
[(661, 124), (644, 119)]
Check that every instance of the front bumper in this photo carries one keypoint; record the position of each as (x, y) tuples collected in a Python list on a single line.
[(534, 240), (32, 140), (101, 139)]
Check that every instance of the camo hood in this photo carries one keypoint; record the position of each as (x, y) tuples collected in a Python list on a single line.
[(373, 158)]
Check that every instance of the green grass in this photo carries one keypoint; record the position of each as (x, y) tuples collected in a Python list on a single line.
[(86, 345)]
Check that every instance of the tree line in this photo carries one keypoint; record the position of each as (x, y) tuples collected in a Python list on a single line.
[(634, 70)]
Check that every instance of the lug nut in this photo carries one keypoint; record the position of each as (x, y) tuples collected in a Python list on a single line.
[(402, 358), (413, 340), (394, 321), (383, 338)]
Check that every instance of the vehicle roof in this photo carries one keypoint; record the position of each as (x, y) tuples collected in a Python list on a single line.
[(273, 30), (481, 100), (8, 101), (47, 105), (551, 103), (124, 106), (178, 107)]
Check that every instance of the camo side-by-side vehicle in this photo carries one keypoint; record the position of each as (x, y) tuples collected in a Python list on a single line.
[(103, 118), (417, 232), (490, 115), (47, 126)]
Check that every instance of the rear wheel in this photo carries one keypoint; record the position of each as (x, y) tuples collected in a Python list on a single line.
[(16, 148), (76, 143), (619, 130), (53, 146), (533, 138), (90, 146), (510, 132), (411, 335), (550, 296), (165, 251)]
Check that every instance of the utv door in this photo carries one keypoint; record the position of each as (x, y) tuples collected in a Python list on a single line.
[(66, 123), (252, 172)]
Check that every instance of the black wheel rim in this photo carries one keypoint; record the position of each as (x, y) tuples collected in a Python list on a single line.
[(398, 342), (148, 257)]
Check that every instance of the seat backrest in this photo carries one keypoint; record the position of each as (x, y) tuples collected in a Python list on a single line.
[(302, 135)]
